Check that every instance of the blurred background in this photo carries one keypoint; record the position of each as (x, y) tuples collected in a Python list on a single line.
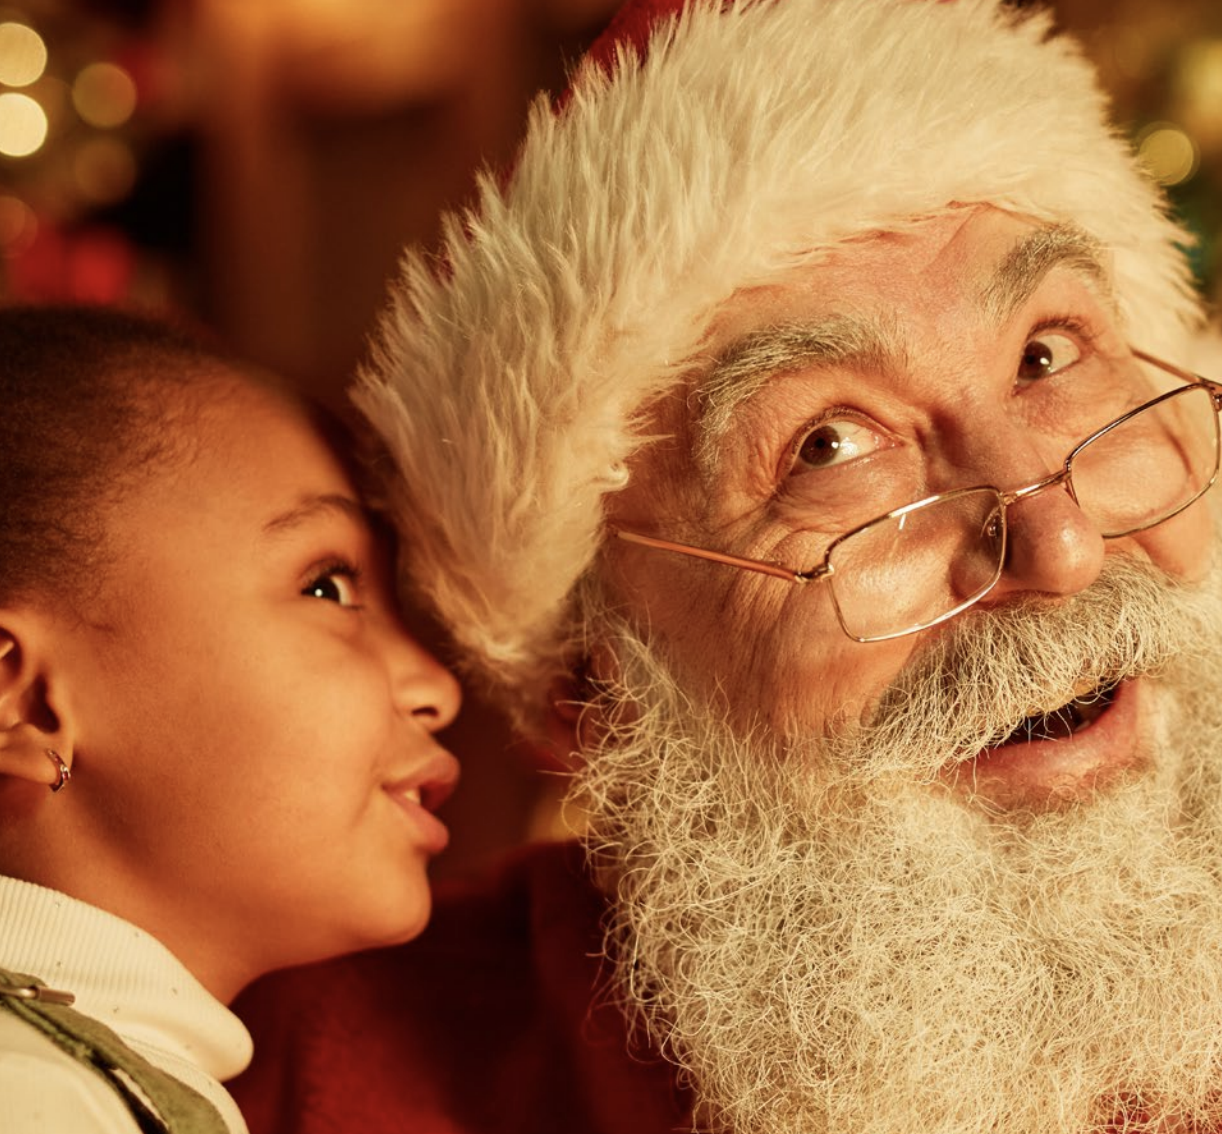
[(256, 165)]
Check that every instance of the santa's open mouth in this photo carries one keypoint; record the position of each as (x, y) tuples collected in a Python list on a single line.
[(1062, 722), (1059, 755)]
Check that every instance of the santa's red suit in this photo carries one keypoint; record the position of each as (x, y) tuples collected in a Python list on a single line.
[(496, 1021)]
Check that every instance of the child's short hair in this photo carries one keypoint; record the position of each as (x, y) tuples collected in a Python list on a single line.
[(83, 394)]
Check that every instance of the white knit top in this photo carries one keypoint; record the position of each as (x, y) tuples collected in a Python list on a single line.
[(128, 981)]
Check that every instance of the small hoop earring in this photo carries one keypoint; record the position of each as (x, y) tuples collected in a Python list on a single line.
[(65, 773)]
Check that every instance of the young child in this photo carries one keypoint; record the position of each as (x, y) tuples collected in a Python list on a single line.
[(216, 734)]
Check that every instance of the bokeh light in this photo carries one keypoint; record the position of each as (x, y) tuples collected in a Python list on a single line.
[(1170, 155), (23, 125), (104, 169), (104, 95), (1198, 91), (23, 55), (18, 226)]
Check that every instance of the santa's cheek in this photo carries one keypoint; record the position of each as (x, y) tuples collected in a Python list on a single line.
[(1184, 546), (844, 684)]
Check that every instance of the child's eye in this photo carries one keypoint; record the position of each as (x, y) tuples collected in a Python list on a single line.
[(336, 583)]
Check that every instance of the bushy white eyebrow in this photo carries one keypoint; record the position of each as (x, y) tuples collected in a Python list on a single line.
[(753, 361), (1024, 267)]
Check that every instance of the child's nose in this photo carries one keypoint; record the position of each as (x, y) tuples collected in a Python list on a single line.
[(423, 686)]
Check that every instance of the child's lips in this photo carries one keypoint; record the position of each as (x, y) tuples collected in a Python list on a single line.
[(429, 780), (424, 789)]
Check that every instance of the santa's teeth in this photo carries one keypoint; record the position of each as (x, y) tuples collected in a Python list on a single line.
[(1084, 696), (413, 794), (1083, 710)]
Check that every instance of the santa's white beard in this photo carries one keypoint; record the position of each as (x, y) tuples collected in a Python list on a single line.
[(823, 940)]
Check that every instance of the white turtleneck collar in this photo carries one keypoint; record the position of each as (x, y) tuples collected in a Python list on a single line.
[(129, 981)]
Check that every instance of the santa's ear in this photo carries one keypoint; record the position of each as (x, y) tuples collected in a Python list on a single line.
[(35, 736), (576, 721), (566, 706)]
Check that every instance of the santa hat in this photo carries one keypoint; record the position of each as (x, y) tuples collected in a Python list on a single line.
[(702, 148)]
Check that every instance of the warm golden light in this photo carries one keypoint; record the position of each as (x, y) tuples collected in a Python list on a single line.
[(1168, 153), (23, 125), (23, 55), (104, 95)]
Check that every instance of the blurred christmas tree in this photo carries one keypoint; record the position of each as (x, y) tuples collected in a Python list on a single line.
[(1162, 65), (86, 122)]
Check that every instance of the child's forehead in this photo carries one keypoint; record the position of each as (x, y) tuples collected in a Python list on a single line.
[(226, 403), (239, 444), (258, 495)]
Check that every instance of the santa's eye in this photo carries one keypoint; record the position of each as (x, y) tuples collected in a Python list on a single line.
[(834, 442), (1046, 355)]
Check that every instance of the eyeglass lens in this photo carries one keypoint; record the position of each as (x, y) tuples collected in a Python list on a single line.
[(904, 572), (1150, 466)]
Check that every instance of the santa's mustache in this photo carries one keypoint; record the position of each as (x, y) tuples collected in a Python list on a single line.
[(1028, 665)]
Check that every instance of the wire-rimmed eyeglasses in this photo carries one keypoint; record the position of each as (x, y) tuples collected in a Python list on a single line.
[(918, 565)]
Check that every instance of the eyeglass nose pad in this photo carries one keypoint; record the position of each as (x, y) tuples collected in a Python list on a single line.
[(993, 532), (1050, 546), (973, 576)]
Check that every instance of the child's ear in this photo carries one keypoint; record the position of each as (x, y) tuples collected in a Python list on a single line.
[(35, 737)]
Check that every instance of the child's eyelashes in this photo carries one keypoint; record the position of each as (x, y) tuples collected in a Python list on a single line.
[(336, 581)]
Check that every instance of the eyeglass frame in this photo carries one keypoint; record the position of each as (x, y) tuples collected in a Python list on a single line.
[(825, 569)]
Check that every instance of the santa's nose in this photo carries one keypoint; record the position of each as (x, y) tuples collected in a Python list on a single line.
[(1052, 546)]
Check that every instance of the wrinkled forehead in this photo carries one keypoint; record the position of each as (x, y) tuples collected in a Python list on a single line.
[(984, 252)]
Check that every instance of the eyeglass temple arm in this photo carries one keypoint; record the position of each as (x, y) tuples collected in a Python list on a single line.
[(759, 565), (1214, 388)]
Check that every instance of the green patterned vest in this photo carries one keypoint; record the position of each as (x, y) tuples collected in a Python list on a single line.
[(160, 1103)]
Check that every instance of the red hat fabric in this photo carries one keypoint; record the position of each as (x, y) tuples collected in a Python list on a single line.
[(630, 27)]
